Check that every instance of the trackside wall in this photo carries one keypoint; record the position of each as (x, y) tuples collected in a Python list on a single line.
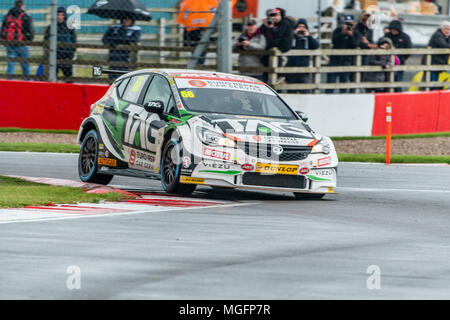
[(59, 106)]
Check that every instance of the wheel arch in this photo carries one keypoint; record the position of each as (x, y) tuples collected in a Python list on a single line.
[(87, 126)]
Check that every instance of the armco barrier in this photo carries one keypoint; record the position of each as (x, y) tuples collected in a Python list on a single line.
[(43, 105), (58, 106)]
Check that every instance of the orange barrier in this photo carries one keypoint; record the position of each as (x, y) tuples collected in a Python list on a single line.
[(413, 112), (43, 105), (388, 132)]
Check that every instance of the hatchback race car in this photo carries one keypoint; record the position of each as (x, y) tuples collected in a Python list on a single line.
[(189, 128)]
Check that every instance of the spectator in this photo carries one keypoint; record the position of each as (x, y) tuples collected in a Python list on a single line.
[(17, 26), (400, 40), (440, 40), (251, 39), (365, 33), (124, 34), (379, 60), (278, 32), (343, 37), (65, 35), (303, 40)]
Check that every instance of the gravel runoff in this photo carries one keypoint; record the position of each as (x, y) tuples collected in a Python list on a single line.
[(439, 146)]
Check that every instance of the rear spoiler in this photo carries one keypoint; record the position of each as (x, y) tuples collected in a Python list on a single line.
[(97, 71)]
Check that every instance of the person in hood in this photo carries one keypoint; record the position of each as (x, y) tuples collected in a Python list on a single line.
[(440, 40), (251, 39), (17, 27), (400, 40), (302, 40), (384, 61), (125, 33), (65, 34), (343, 37)]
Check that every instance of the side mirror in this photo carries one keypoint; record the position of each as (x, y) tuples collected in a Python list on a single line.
[(302, 115), (156, 106)]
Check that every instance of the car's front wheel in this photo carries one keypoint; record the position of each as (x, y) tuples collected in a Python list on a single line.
[(308, 196), (170, 170), (88, 161)]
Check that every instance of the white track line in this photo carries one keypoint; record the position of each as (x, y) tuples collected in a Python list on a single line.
[(150, 209), (390, 190)]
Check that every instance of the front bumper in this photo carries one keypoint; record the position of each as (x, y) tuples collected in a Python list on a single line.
[(315, 174)]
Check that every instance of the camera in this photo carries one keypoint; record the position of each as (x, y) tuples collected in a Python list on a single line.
[(242, 38), (349, 27), (269, 21), (301, 33)]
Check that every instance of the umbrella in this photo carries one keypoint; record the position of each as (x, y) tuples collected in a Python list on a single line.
[(119, 9)]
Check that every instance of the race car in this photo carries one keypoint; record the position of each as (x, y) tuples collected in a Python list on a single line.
[(190, 127)]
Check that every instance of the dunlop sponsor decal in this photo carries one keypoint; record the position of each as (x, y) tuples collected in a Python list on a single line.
[(191, 180), (268, 168), (107, 162)]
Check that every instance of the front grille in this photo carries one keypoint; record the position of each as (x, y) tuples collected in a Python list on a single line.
[(265, 151), (274, 180)]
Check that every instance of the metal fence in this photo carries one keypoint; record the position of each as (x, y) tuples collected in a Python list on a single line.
[(163, 43)]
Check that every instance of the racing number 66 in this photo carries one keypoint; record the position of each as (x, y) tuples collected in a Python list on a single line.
[(187, 94)]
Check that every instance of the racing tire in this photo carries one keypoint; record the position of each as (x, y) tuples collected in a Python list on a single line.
[(88, 161), (308, 196), (170, 170)]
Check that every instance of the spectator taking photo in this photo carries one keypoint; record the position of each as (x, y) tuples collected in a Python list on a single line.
[(251, 39), (302, 40)]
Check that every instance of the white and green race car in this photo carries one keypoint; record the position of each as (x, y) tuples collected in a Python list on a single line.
[(190, 128)]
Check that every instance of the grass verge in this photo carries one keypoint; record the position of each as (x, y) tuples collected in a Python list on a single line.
[(402, 136), (38, 130), (380, 158), (18, 193), (39, 147)]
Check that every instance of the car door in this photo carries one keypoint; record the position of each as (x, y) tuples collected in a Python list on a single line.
[(158, 89)]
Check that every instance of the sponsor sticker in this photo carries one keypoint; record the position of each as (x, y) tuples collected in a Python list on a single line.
[(99, 109), (324, 172), (107, 162), (304, 171), (132, 157), (276, 169), (324, 162), (186, 162), (191, 180), (247, 167), (222, 155), (197, 83), (216, 165)]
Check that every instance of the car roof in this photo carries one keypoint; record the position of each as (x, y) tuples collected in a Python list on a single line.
[(195, 74)]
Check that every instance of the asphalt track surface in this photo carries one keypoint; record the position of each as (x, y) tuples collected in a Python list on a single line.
[(273, 247)]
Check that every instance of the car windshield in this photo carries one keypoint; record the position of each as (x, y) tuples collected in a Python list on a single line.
[(235, 102)]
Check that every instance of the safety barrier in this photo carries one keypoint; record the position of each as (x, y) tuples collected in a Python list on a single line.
[(43, 105), (59, 106)]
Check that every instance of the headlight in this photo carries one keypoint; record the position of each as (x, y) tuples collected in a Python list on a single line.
[(215, 139), (322, 147)]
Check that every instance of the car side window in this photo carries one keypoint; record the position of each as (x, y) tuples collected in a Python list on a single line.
[(134, 88), (171, 107), (122, 86), (159, 89)]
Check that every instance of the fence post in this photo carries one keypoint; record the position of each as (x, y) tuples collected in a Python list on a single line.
[(428, 72), (392, 73), (273, 63), (134, 56), (388, 132), (161, 38), (317, 75), (53, 42), (358, 73), (225, 47)]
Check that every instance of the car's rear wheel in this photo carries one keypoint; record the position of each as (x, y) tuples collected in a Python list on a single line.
[(88, 161), (308, 196), (170, 170)]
